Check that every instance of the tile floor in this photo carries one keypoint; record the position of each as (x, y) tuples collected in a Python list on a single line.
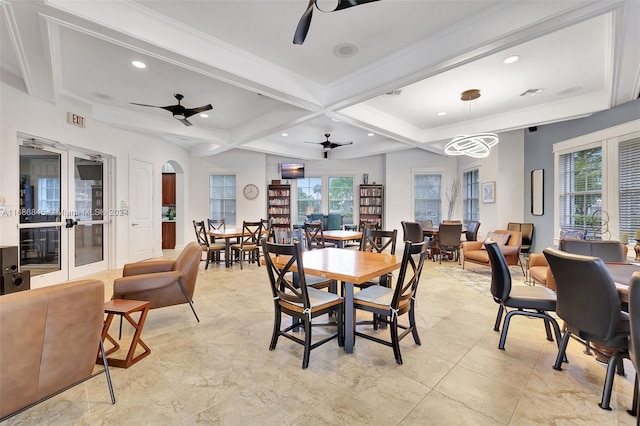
[(220, 371)]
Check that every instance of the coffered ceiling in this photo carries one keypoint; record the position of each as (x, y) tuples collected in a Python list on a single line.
[(377, 74)]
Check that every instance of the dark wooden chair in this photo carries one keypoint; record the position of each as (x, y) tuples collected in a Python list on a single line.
[(314, 235), (249, 247), (299, 300), (389, 304), (211, 248)]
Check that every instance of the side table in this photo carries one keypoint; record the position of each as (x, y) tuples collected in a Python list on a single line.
[(124, 308)]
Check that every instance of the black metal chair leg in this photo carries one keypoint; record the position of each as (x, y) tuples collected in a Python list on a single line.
[(106, 372), (634, 404), (184, 291), (561, 351)]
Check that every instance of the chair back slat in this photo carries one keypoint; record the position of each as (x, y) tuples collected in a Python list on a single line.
[(201, 234), (279, 276), (413, 258), (379, 241), (251, 233)]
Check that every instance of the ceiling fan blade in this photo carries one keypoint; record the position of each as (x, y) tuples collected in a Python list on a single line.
[(303, 25), (344, 4), (184, 121), (191, 111), (145, 105)]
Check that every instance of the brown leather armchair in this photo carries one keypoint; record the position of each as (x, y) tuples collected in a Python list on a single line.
[(472, 250), (162, 282)]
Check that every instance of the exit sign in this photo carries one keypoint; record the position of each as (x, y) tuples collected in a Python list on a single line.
[(75, 119)]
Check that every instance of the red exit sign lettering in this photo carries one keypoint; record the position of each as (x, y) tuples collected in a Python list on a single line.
[(75, 119)]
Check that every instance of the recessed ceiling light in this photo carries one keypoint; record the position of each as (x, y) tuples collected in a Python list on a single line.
[(285, 134), (345, 50), (370, 134), (440, 114), (138, 64), (335, 119), (204, 115), (511, 59)]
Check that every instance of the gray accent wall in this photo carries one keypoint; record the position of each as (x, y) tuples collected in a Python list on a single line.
[(538, 154)]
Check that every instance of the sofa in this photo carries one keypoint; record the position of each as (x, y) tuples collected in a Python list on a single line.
[(49, 338), (472, 251), (608, 251)]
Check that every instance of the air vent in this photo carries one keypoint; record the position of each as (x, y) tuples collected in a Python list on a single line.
[(531, 92), (393, 93)]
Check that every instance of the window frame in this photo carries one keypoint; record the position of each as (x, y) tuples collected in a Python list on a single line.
[(438, 218), (225, 213), (609, 139), (471, 192)]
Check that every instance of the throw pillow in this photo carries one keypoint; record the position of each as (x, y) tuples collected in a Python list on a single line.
[(497, 237), (571, 234)]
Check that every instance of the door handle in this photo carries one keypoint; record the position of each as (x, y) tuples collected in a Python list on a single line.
[(71, 223), (134, 224)]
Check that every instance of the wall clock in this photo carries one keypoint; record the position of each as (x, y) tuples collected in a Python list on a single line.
[(251, 192)]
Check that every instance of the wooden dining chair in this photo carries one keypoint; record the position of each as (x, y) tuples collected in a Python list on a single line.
[(248, 248), (314, 235), (389, 304), (212, 249), (300, 301), (288, 236)]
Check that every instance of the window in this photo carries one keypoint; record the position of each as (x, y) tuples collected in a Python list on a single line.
[(222, 198), (471, 191), (580, 202), (427, 198), (309, 197), (629, 175), (341, 197)]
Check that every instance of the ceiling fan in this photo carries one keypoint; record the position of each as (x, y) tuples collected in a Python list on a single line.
[(179, 112), (328, 145), (305, 21)]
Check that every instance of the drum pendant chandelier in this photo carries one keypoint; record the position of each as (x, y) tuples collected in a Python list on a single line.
[(476, 145)]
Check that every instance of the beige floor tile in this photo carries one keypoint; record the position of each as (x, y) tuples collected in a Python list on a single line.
[(220, 371)]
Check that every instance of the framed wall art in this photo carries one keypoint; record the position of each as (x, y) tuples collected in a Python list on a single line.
[(489, 192)]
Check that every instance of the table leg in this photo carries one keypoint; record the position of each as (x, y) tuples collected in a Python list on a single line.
[(340, 244), (227, 252), (136, 338), (349, 318)]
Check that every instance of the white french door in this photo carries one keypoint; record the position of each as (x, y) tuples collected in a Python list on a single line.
[(64, 218)]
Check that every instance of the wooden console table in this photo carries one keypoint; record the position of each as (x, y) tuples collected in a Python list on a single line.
[(124, 308)]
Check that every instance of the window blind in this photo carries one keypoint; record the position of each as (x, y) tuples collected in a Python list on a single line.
[(427, 201), (629, 183), (580, 192)]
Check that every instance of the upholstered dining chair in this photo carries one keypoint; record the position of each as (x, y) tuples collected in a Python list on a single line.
[(389, 304), (249, 243), (212, 249), (634, 339), (313, 232), (300, 301), (449, 239), (535, 302), (412, 231), (590, 306), (472, 231), (162, 282)]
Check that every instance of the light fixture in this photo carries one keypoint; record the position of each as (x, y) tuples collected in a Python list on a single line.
[(285, 134), (138, 64), (370, 134), (204, 115), (511, 59), (476, 145), (441, 114)]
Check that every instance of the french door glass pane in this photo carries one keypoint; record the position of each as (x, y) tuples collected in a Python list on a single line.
[(89, 205)]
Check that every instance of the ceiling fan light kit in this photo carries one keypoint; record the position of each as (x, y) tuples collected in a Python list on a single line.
[(476, 145)]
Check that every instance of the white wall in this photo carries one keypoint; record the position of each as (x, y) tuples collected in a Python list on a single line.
[(400, 168), (21, 113), (249, 167)]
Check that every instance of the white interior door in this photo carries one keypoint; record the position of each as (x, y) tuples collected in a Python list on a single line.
[(140, 210)]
